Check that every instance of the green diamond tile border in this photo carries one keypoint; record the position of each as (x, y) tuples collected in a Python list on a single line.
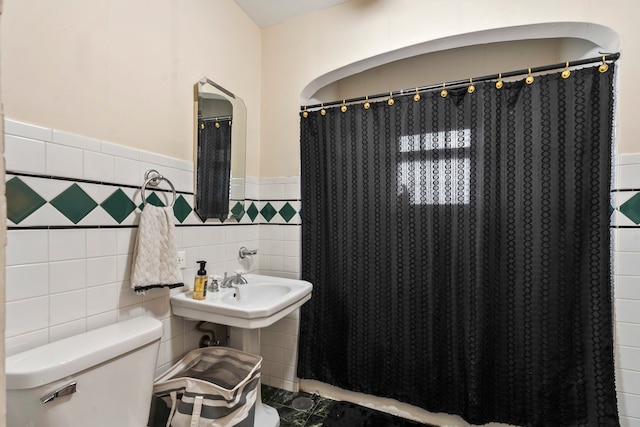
[(287, 212), (181, 209), (118, 205), (631, 208), (268, 211), (252, 211), (74, 203), (154, 200), (22, 201), (237, 211)]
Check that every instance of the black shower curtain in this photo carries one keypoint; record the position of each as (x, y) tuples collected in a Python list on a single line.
[(459, 249), (214, 169)]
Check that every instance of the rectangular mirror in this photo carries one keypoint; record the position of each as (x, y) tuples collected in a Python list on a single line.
[(220, 152)]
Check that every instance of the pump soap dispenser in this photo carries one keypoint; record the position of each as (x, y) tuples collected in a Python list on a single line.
[(200, 282)]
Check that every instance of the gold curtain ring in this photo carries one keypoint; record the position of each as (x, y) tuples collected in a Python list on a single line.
[(202, 125), (566, 73), (323, 112), (471, 87), (229, 122), (529, 78), (217, 124), (367, 105), (603, 68), (499, 83), (305, 113), (391, 101), (344, 106), (416, 97), (443, 92)]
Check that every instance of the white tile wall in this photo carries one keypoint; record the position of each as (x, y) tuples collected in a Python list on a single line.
[(627, 297), (99, 167), (25, 155), (279, 350), (35, 275), (83, 284), (280, 250), (63, 161), (62, 282), (280, 256), (27, 130), (77, 141)]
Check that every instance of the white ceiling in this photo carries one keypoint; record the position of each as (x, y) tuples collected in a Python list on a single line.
[(269, 12)]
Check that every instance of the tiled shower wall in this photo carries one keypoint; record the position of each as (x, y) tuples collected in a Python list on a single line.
[(74, 204), (626, 238)]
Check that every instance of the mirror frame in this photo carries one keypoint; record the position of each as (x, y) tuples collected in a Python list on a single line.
[(237, 183)]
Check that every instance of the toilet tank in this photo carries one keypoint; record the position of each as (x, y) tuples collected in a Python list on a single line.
[(102, 377)]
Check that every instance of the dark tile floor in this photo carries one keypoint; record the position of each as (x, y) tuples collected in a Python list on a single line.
[(282, 400)]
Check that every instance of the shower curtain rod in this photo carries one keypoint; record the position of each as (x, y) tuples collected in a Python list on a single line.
[(220, 118), (412, 91)]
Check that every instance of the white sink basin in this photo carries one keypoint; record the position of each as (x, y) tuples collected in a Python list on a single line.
[(255, 295), (260, 302)]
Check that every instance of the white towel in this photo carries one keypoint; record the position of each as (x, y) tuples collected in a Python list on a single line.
[(155, 257)]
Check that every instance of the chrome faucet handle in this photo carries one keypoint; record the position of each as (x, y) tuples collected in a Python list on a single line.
[(244, 252), (214, 283)]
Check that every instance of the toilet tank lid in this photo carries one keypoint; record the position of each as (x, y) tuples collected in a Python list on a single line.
[(59, 359)]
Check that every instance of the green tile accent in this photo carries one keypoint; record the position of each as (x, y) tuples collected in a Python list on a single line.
[(268, 212), (74, 203), (118, 205), (181, 209), (22, 201), (287, 212), (152, 199), (252, 212), (631, 208), (237, 211)]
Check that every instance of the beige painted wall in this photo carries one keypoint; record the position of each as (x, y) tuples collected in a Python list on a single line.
[(123, 71), (453, 64), (299, 51)]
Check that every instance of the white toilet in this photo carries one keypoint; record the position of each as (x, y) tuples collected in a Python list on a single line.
[(99, 378)]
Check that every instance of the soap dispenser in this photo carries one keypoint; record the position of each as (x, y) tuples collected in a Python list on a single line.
[(200, 282)]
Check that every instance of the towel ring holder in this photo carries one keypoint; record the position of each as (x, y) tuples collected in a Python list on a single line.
[(153, 178)]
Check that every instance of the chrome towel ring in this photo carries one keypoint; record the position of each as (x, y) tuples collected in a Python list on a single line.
[(153, 178)]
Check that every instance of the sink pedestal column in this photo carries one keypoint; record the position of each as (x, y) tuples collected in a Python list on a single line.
[(248, 340)]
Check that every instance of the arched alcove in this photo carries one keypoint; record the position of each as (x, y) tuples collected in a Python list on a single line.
[(529, 44)]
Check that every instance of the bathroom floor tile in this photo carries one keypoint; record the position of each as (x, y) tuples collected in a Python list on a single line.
[(326, 412), (282, 401), (292, 417), (314, 421), (322, 407)]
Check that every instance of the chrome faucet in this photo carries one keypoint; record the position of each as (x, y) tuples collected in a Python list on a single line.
[(228, 282)]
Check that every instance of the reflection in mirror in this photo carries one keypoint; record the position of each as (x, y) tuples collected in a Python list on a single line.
[(220, 152)]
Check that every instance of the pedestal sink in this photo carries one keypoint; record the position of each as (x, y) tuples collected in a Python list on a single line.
[(246, 308)]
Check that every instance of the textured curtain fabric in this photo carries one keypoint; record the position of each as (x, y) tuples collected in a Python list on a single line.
[(459, 249), (214, 170)]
